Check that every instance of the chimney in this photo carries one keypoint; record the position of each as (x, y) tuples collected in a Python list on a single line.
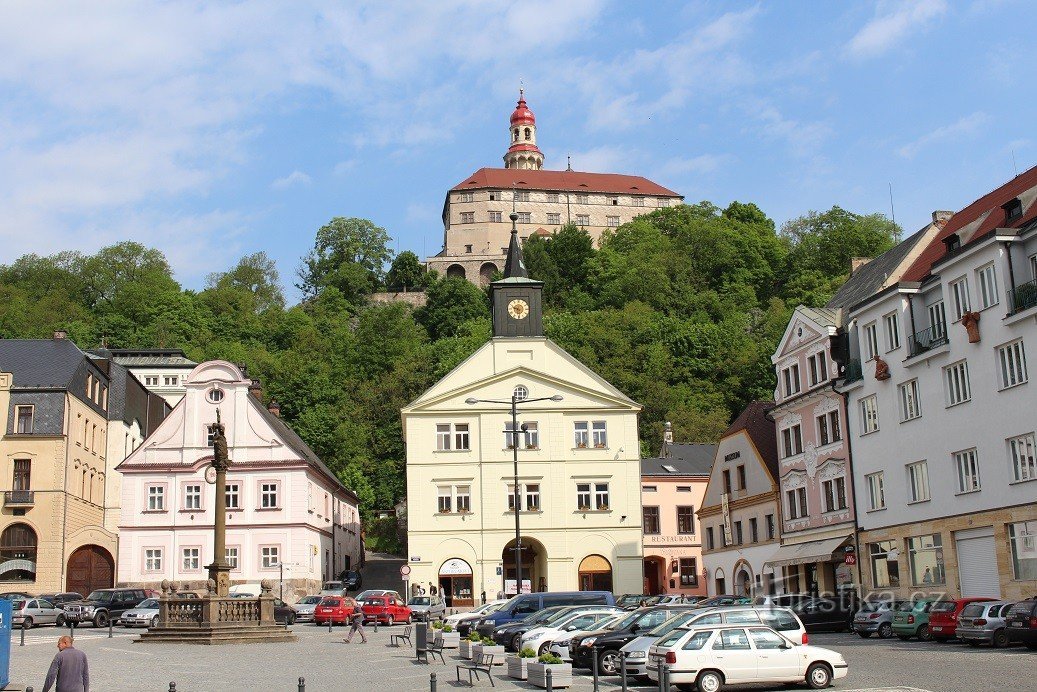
[(942, 217), (274, 408), (60, 334), (858, 262), (255, 389), (667, 440)]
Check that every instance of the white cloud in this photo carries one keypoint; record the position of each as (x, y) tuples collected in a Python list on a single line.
[(964, 126), (291, 180), (893, 22)]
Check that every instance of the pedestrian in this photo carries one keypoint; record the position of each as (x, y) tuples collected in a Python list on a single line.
[(927, 578), (68, 671), (356, 626)]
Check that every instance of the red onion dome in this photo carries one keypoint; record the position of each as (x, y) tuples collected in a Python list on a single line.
[(522, 115)]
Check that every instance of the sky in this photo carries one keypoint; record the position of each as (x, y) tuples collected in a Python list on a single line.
[(213, 130)]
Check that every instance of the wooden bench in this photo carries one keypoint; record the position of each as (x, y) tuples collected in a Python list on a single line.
[(484, 664), (395, 639)]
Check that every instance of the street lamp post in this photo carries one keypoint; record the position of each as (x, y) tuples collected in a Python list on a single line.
[(517, 495)]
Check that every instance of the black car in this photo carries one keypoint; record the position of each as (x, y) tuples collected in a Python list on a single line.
[(284, 613), (103, 605), (825, 614), (510, 634), (605, 645), (1021, 623), (351, 580), (60, 599)]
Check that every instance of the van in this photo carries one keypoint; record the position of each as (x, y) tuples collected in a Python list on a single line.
[(524, 605)]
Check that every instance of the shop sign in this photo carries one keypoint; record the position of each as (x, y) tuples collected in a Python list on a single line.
[(455, 567)]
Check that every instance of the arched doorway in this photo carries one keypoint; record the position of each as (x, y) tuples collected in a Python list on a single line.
[(486, 272), (595, 574), (455, 583), (534, 566), (653, 572), (455, 270), (720, 582), (90, 567), (18, 553), (743, 580)]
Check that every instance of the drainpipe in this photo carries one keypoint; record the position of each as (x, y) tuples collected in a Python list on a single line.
[(911, 313), (64, 493), (1011, 271)]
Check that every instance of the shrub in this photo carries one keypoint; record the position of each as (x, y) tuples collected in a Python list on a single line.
[(550, 659), (527, 653), (488, 641), (437, 625), (448, 628), (475, 637)]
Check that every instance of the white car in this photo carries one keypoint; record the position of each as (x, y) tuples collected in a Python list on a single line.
[(559, 646), (540, 638), (711, 657), (486, 608), (144, 614)]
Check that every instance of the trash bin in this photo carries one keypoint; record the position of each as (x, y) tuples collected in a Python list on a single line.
[(421, 639)]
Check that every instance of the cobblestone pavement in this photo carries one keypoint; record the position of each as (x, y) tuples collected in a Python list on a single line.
[(120, 664)]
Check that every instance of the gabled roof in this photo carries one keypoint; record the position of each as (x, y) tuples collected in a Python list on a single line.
[(873, 276), (979, 219), (754, 422), (40, 363), (684, 459), (135, 357), (573, 181)]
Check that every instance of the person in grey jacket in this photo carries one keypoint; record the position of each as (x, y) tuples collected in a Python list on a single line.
[(68, 669)]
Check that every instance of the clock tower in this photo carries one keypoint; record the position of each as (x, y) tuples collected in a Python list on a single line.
[(517, 307)]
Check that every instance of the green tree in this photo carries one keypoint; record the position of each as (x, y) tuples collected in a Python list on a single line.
[(451, 302), (349, 254), (825, 242), (407, 273)]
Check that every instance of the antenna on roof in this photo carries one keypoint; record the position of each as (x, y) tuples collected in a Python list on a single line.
[(1015, 166), (892, 213)]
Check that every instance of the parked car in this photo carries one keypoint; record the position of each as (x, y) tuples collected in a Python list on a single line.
[(185, 594), (722, 600), (562, 644), (60, 599), (103, 605), (525, 604), (284, 613), (984, 622), (144, 614), (14, 595), (539, 638), (389, 609), (333, 588), (875, 617), (713, 657), (377, 592), (943, 617), (821, 614), (782, 620), (509, 635), (632, 601), (1022, 623), (427, 608), (245, 590), (29, 612), (911, 619), (338, 609), (456, 619), (606, 646), (305, 606), (352, 580)]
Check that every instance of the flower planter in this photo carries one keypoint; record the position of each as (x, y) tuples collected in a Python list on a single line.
[(497, 651), (476, 650), (465, 648), (448, 640), (517, 667), (561, 674), (970, 320)]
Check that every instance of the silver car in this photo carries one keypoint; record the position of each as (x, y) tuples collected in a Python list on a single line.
[(875, 617), (427, 608), (144, 614), (984, 622), (305, 606), (29, 612)]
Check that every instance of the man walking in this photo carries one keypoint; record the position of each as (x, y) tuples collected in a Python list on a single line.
[(68, 669), (356, 622)]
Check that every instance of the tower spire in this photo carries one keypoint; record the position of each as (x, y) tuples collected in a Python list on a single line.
[(513, 265)]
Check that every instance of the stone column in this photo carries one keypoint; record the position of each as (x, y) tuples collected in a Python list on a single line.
[(219, 570)]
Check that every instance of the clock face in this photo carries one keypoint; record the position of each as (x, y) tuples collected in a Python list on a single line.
[(519, 309), (210, 474)]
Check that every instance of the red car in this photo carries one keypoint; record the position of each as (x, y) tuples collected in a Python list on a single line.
[(334, 608), (943, 617), (388, 608)]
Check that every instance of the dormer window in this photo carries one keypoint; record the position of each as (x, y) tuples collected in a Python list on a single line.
[(952, 242), (1013, 209)]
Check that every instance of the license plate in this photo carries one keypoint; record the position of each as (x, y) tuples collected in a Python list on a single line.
[(937, 629), (1017, 624)]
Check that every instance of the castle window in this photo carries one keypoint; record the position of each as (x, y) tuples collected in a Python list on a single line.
[(528, 134), (516, 134)]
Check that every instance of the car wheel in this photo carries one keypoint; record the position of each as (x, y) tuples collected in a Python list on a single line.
[(27, 623), (410, 619), (60, 622), (516, 642), (608, 662), (154, 621), (709, 681), (290, 620), (390, 621), (885, 630), (925, 634), (101, 620), (999, 640), (864, 635), (818, 676), (543, 649)]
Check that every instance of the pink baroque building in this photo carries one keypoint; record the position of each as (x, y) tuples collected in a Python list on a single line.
[(672, 488), (289, 518)]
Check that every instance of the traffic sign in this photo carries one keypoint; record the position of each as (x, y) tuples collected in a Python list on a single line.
[(404, 570)]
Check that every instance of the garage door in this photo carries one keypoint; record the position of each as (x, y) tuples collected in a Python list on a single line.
[(977, 563), (90, 567)]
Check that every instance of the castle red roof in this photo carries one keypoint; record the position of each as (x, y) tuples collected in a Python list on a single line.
[(571, 181), (978, 220), (522, 115)]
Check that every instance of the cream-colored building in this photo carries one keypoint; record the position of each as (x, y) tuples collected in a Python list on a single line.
[(476, 210), (578, 466)]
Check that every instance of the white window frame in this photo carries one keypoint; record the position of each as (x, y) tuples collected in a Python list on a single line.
[(599, 434), (582, 198), (156, 498), (829, 428), (1022, 537), (986, 278), (584, 496), (910, 403), (1011, 364), (269, 495), (521, 195), (531, 497), (869, 406), (892, 324), (153, 559), (232, 493), (193, 496), (792, 440), (956, 383), (466, 197), (871, 340), (831, 496), (966, 467), (31, 418), (444, 499), (817, 364), (554, 218), (232, 556), (790, 378), (190, 559), (496, 217), (876, 491), (612, 221), (443, 437), (918, 482), (532, 434), (960, 303), (463, 498), (937, 319), (583, 220), (269, 556), (524, 217), (1022, 454), (796, 503), (581, 434), (468, 217), (602, 497), (462, 437)]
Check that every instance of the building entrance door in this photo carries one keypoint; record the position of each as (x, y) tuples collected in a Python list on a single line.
[(90, 567)]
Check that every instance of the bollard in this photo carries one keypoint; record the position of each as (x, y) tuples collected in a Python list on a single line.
[(110, 623), (659, 670), (376, 625), (623, 671), (71, 630), (666, 678), (594, 669), (550, 683), (28, 689), (432, 682), (172, 687), (23, 637), (329, 624), (302, 684)]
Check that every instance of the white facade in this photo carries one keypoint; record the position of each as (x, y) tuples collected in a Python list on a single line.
[(162, 371), (288, 517)]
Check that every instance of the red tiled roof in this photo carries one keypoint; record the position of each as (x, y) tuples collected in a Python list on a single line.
[(576, 181), (760, 429), (986, 210)]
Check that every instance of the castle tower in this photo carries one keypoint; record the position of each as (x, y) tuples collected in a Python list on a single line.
[(523, 152)]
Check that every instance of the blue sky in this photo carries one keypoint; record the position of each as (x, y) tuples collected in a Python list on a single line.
[(210, 130)]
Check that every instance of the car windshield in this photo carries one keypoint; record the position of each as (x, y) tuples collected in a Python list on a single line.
[(330, 601), (629, 599), (973, 610), (309, 600), (671, 638), (672, 624), (332, 586), (943, 607), (17, 605), (561, 615), (874, 606), (908, 606), (100, 596), (625, 622), (491, 608), (420, 600)]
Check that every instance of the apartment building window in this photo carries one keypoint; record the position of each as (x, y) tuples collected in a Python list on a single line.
[(685, 520), (885, 570), (651, 520), (601, 496), (521, 195), (452, 436), (918, 482), (910, 408), (191, 560), (269, 556), (828, 428), (463, 498), (554, 218), (151, 381), (956, 377), (871, 341), (495, 217), (581, 434), (689, 572), (818, 366), (876, 491), (612, 221), (23, 419), (966, 465), (738, 533), (770, 526), (552, 197), (987, 280), (797, 502), (170, 380), (709, 538), (532, 497), (156, 498), (1022, 452), (792, 440), (231, 556), (524, 217), (22, 475), (233, 495), (892, 324), (925, 557), (1023, 539), (192, 496), (790, 378), (532, 435), (268, 495), (152, 559), (445, 499), (727, 480), (583, 220), (468, 217), (638, 201), (461, 437), (740, 470), (834, 493), (599, 434), (582, 198), (869, 414), (1011, 359), (466, 197), (583, 496), (960, 297), (754, 530)]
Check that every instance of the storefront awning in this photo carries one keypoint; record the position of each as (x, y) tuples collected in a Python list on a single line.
[(812, 551)]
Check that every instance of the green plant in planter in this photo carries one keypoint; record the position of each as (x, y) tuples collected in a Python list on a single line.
[(475, 637), (488, 641), (550, 659), (447, 628), (437, 625), (527, 653)]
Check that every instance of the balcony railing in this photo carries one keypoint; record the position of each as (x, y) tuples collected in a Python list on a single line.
[(854, 371), (1022, 297), (926, 340), (22, 498)]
